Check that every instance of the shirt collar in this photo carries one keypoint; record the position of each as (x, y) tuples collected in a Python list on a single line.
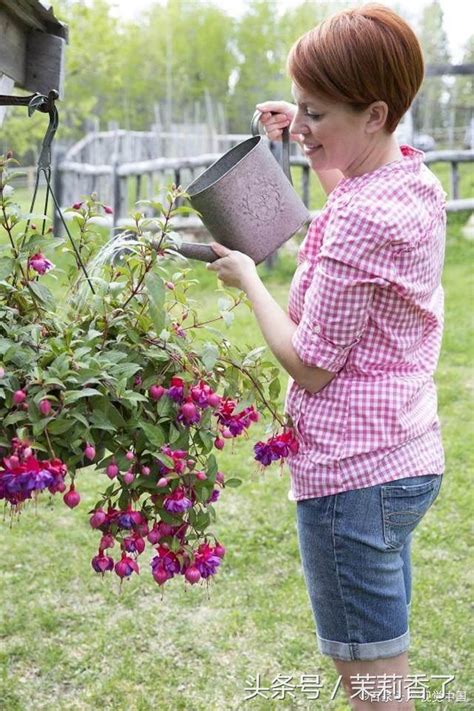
[(410, 161)]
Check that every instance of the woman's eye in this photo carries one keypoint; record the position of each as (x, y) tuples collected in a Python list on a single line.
[(312, 116)]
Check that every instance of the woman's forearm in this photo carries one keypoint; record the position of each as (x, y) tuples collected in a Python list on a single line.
[(278, 329)]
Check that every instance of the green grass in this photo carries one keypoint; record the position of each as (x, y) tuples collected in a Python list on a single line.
[(70, 640)]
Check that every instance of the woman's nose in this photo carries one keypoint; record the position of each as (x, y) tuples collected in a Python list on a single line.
[(297, 126)]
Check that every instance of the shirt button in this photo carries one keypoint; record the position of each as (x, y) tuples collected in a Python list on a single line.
[(317, 328)]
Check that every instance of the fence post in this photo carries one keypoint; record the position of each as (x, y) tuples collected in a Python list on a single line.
[(58, 179), (116, 192), (454, 180)]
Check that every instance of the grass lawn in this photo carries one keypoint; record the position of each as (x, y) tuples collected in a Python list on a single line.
[(71, 640)]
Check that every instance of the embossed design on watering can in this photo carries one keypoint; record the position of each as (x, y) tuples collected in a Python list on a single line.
[(246, 200)]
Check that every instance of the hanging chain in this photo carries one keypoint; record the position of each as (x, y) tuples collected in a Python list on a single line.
[(46, 104)]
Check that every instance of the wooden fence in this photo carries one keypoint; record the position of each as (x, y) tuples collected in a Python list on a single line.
[(122, 184)]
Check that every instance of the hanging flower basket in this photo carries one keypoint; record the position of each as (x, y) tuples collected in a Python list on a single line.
[(121, 374)]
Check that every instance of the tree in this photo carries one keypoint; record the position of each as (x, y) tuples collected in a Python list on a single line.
[(462, 99), (430, 106)]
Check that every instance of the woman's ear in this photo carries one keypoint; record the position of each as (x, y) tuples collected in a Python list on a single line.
[(377, 114)]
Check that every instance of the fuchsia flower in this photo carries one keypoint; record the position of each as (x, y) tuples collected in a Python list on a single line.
[(234, 424), (22, 474), (176, 389), (39, 263), (164, 565), (126, 566), (134, 544), (206, 560), (102, 563), (277, 447), (214, 496), (129, 518), (204, 396), (188, 414), (177, 501)]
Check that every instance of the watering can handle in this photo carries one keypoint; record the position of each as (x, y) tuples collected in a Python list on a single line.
[(285, 144)]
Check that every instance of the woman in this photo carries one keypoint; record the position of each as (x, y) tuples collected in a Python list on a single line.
[(360, 341)]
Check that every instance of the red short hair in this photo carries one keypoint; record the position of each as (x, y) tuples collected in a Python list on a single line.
[(361, 55)]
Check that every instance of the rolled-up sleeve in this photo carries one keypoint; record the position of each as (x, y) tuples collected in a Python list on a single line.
[(336, 311)]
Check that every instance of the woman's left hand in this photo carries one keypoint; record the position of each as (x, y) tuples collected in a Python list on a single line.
[(233, 268)]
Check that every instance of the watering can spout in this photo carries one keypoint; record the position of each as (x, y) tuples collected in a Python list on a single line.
[(246, 200)]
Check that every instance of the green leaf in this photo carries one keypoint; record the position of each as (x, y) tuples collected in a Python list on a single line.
[(174, 434), (74, 395), (210, 354), (156, 300), (59, 426), (233, 483), (7, 264), (153, 433), (42, 293), (274, 388)]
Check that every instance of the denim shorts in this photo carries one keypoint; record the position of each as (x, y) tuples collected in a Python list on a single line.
[(355, 551)]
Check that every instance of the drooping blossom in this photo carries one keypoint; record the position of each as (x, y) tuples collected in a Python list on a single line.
[(22, 474), (164, 565), (206, 560), (177, 501), (39, 263), (102, 563), (277, 447), (176, 389), (234, 423), (214, 496), (126, 566), (188, 414)]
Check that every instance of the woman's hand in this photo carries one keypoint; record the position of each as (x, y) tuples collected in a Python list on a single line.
[(277, 115), (233, 268)]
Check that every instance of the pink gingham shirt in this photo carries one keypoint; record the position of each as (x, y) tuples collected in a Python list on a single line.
[(368, 301)]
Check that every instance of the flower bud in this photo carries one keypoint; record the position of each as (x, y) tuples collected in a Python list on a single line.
[(98, 518), (128, 477), (192, 575), (45, 407), (162, 482), (19, 396), (72, 498), (156, 392), (89, 452), (112, 470)]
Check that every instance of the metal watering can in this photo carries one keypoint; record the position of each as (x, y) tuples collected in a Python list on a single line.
[(246, 201)]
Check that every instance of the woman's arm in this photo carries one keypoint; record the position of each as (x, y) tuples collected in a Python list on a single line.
[(237, 269), (277, 115), (277, 328)]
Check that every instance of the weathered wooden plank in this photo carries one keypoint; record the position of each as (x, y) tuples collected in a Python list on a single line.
[(44, 68), (438, 70), (34, 14), (12, 47), (85, 168)]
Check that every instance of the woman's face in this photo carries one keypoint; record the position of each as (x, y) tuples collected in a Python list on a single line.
[(333, 134)]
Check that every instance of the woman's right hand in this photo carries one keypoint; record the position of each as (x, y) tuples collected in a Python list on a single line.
[(277, 115)]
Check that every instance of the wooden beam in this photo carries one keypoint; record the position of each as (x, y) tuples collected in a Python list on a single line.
[(12, 47), (44, 68), (437, 70)]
